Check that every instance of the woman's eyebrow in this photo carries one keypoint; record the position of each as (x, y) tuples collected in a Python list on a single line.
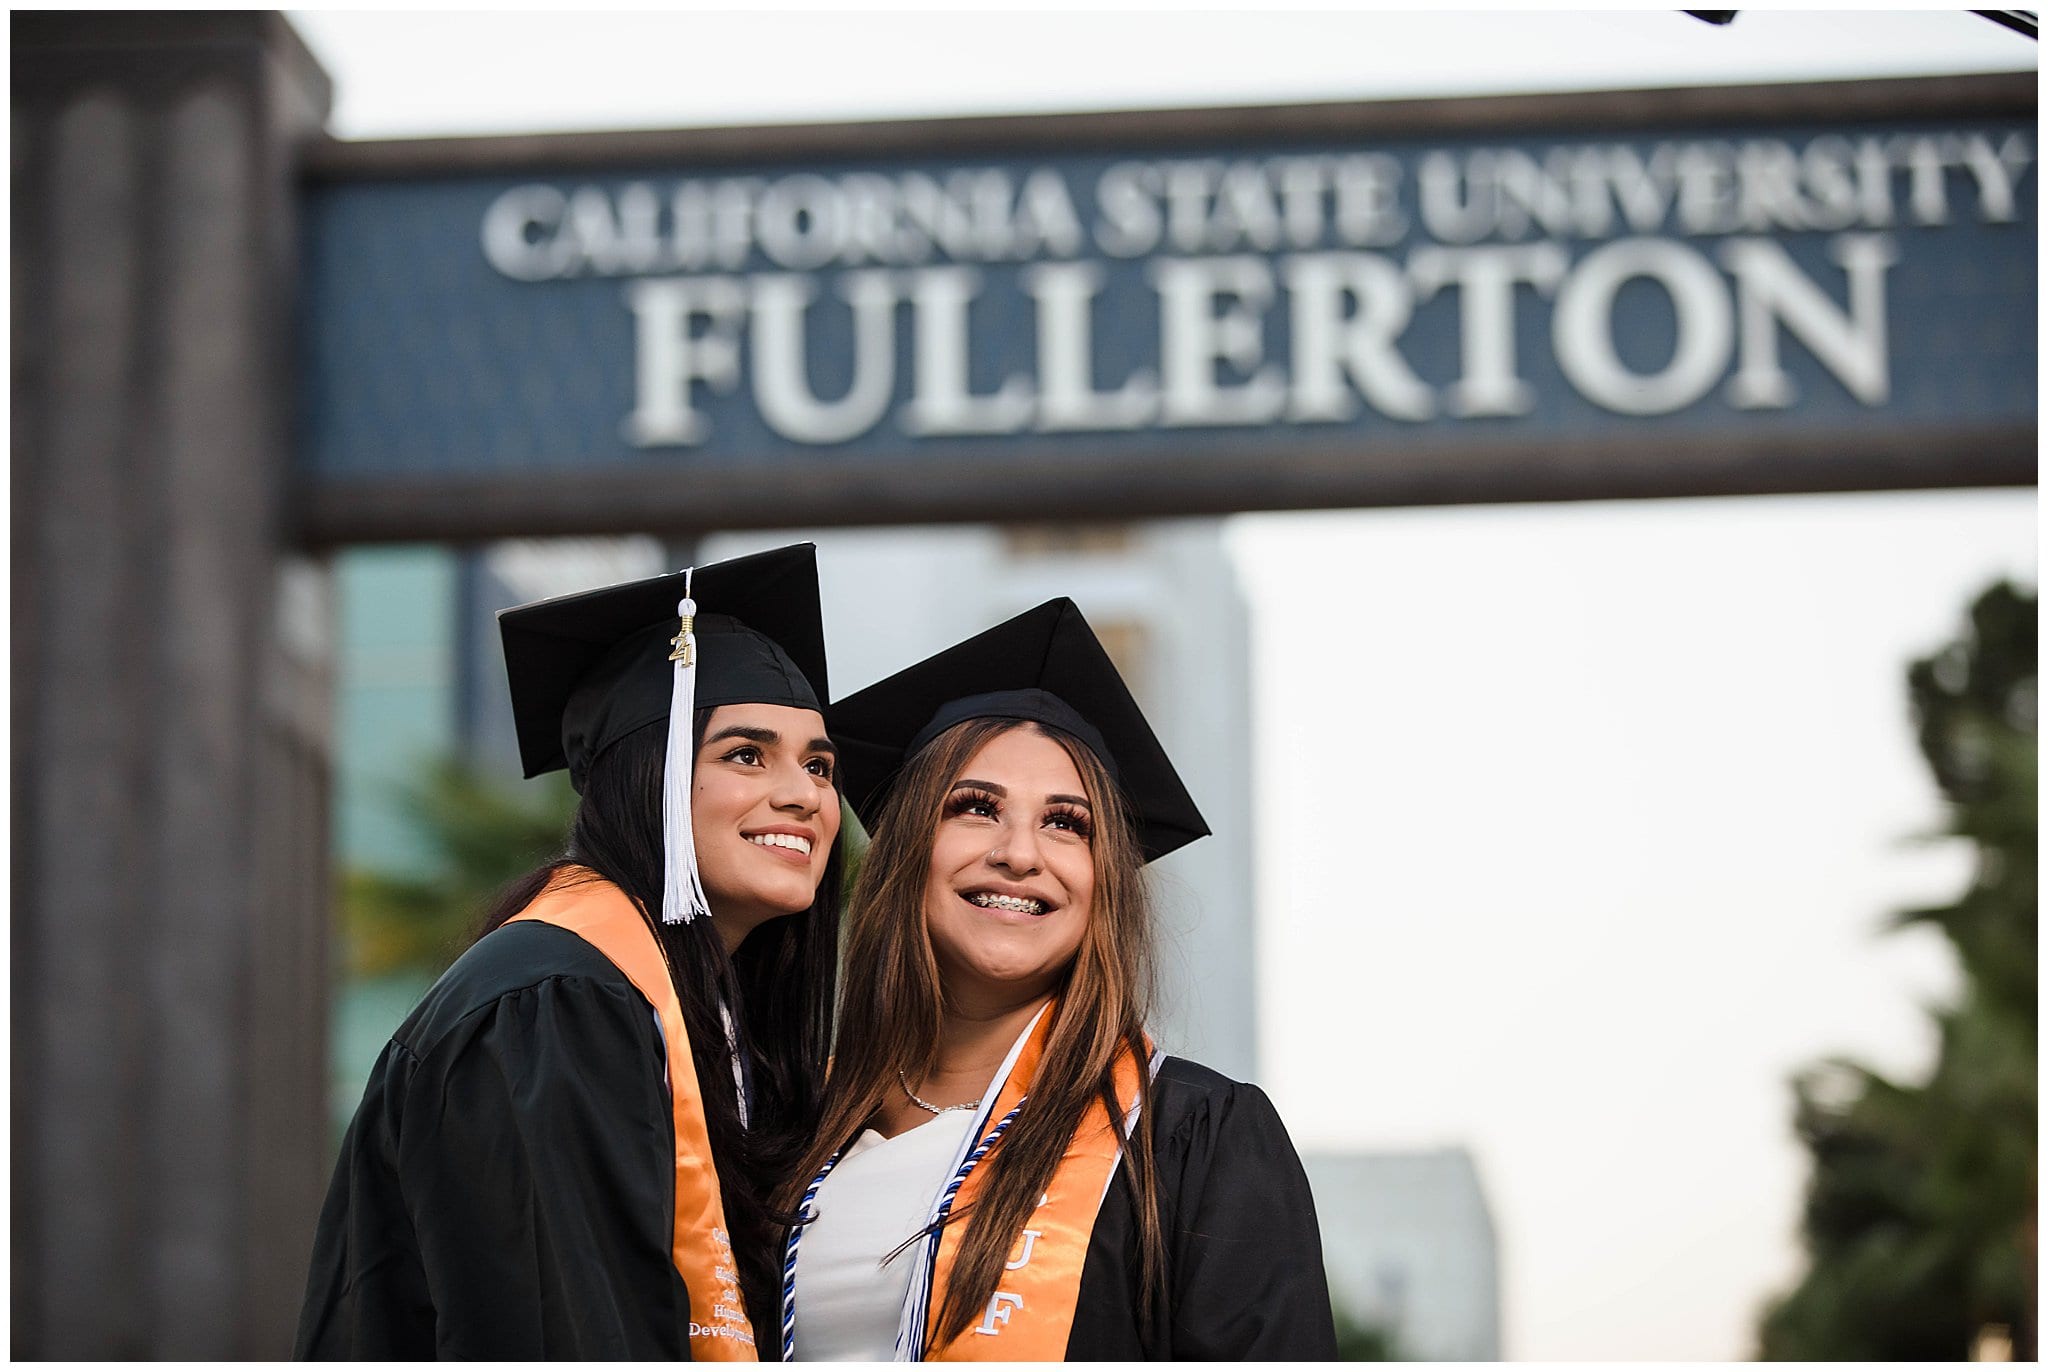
[(765, 737), (1000, 791)]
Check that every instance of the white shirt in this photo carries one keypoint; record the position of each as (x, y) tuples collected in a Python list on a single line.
[(847, 1302)]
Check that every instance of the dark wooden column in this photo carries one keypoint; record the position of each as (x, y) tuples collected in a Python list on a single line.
[(171, 678)]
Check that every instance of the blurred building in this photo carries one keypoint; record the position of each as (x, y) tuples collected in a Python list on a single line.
[(396, 668), (1409, 1244)]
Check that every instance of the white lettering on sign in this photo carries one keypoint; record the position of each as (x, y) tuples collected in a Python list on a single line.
[(799, 222), (1064, 295), (1486, 279), (782, 386), (939, 401), (671, 357), (1273, 289), (1345, 314), (1127, 199), (522, 235), (1332, 346), (1770, 290), (1997, 172), (1210, 312), (1583, 326), (1207, 207)]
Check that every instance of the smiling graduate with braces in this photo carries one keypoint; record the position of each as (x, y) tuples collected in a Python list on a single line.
[(1007, 1169), (566, 1150)]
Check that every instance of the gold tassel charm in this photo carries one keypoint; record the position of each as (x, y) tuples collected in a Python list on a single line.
[(684, 642)]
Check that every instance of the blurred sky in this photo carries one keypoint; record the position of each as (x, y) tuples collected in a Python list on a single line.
[(1577, 823)]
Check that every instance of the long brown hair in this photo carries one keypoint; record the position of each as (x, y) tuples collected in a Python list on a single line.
[(892, 997), (779, 985)]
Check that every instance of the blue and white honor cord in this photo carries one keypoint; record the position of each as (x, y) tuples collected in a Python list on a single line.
[(804, 1215), (917, 1306), (921, 1283)]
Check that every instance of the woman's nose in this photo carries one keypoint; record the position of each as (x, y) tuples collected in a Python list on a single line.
[(1016, 850), (796, 789)]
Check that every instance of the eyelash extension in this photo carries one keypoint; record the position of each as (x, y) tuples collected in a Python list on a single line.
[(1083, 826), (957, 802)]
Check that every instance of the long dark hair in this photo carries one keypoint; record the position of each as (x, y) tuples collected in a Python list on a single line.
[(890, 1023), (780, 985)]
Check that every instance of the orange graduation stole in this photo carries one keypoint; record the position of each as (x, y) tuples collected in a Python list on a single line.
[(1031, 1312), (606, 918)]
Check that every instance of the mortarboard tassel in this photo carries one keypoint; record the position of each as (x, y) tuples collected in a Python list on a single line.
[(682, 894)]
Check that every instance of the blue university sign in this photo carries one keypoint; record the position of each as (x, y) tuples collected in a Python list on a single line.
[(1284, 319)]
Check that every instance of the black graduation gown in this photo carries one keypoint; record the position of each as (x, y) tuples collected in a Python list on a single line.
[(1244, 1259), (507, 1187)]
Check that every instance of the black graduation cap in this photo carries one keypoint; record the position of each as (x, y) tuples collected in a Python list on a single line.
[(1044, 665), (590, 668)]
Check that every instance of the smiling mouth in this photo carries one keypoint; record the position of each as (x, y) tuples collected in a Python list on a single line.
[(794, 843), (1021, 905)]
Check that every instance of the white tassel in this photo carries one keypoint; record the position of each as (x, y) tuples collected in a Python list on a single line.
[(682, 893)]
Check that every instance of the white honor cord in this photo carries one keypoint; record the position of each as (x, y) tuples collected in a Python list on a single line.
[(732, 1048), (917, 1300), (789, 1250), (1131, 1122), (682, 889), (805, 1215)]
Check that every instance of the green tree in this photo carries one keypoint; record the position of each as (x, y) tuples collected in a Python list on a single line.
[(1363, 1341), (1920, 1218), (483, 833)]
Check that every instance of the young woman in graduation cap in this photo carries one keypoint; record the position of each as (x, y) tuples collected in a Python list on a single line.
[(1007, 1169), (567, 1149)]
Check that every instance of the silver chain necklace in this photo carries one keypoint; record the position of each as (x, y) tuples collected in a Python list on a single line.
[(922, 1103)]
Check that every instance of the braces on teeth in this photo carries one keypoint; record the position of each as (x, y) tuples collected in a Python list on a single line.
[(1021, 904)]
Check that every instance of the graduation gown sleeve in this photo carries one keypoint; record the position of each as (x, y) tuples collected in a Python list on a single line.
[(505, 1190), (1244, 1257)]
